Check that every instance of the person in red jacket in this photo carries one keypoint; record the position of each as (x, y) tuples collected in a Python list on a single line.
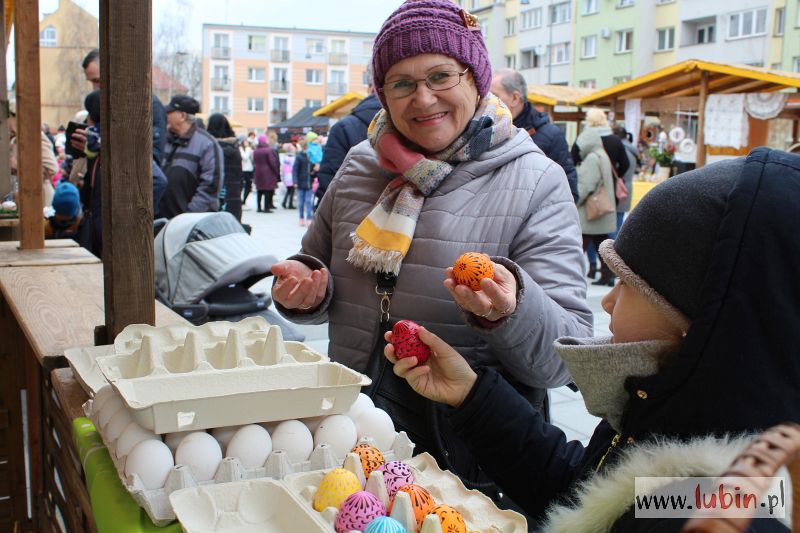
[(267, 172)]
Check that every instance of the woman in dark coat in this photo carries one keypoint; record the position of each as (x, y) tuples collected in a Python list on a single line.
[(220, 128), (267, 173)]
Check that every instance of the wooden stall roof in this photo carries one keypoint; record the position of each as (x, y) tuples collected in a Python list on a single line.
[(683, 79), (554, 95), (340, 107)]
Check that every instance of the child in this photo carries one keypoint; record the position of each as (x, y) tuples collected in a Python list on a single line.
[(703, 353), (66, 203), (301, 176), (287, 165)]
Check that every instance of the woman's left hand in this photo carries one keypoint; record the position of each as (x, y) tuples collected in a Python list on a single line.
[(497, 298)]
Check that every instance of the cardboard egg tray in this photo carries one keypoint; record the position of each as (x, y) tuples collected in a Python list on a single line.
[(282, 506), (183, 378)]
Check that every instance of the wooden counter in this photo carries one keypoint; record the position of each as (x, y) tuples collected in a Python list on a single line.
[(58, 253)]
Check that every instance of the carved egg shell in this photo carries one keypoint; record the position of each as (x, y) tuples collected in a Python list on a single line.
[(385, 524), (470, 268), (334, 489), (406, 341), (396, 474), (358, 510), (421, 501), (371, 457), (451, 520)]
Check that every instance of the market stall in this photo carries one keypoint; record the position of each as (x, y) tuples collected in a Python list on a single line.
[(341, 107), (559, 101), (301, 123)]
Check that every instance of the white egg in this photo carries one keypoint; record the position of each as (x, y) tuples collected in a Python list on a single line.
[(376, 423), (152, 461), (224, 435), (313, 423), (339, 432), (270, 426), (251, 444), (201, 453), (132, 435), (173, 440), (294, 438), (117, 424), (362, 403), (101, 396), (110, 408)]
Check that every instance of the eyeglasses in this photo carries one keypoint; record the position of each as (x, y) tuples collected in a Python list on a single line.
[(441, 80)]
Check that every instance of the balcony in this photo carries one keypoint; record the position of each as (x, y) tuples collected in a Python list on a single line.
[(336, 58), (277, 115), (220, 84), (279, 56), (223, 111), (279, 86), (220, 52), (337, 88)]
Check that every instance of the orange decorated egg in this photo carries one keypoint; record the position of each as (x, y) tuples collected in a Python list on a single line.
[(421, 501), (371, 457), (452, 521), (471, 268)]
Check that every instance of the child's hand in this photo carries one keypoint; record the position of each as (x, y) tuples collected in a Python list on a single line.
[(445, 377)]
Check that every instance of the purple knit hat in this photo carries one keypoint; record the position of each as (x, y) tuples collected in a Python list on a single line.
[(431, 27)]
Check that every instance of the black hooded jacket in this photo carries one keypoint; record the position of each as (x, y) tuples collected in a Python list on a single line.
[(737, 371)]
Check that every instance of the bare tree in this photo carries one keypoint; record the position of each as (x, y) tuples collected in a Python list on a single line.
[(169, 52)]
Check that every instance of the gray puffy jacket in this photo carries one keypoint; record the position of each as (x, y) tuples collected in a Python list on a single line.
[(512, 202)]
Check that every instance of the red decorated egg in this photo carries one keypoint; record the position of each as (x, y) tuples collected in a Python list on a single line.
[(421, 501), (406, 341), (471, 268), (452, 521), (358, 510), (371, 457), (396, 474)]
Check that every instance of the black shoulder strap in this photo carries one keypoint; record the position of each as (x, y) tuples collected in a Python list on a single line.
[(385, 288)]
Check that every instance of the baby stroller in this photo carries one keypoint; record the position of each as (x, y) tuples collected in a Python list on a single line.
[(205, 264)]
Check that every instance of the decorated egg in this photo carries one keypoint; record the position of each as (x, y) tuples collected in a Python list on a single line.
[(371, 457), (452, 521), (385, 524), (396, 474), (471, 268), (421, 501), (334, 488), (358, 510), (406, 342)]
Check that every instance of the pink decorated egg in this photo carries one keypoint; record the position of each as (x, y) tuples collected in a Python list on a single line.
[(396, 474), (358, 510), (406, 342)]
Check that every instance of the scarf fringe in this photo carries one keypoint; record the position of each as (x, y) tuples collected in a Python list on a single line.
[(371, 259)]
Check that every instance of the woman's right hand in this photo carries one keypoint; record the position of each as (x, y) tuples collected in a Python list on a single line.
[(297, 286), (445, 377)]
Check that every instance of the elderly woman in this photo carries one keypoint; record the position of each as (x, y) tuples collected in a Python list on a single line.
[(443, 172), (700, 355)]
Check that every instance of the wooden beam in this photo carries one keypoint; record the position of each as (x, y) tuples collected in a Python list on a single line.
[(5, 170), (127, 181), (29, 124), (700, 159)]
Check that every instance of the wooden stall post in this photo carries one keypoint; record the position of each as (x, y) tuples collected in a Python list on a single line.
[(29, 124), (612, 110), (127, 181), (5, 170), (700, 159)]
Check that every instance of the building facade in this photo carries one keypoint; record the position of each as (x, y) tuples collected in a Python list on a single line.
[(260, 76), (547, 41)]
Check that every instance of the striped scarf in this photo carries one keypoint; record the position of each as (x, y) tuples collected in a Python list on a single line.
[(383, 238)]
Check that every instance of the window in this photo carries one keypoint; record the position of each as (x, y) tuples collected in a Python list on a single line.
[(705, 34), (589, 46), (257, 43), (476, 4), (589, 7), (625, 3), (279, 80), (280, 43), (559, 54), (796, 64), (313, 75), (588, 84), (531, 18), (511, 26), (620, 79), (47, 37), (315, 46), (337, 76), (664, 1), (747, 23), (366, 48), (484, 29), (366, 78), (511, 61), (255, 105), (220, 40), (560, 13), (221, 104), (220, 72), (280, 109), (666, 39), (338, 46), (780, 20), (255, 74), (313, 103), (624, 41), (528, 59)]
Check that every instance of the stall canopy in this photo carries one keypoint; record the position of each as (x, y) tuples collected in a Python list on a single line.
[(304, 118), (340, 107), (558, 100)]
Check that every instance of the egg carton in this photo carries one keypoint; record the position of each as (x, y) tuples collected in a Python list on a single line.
[(277, 466), (286, 506), (183, 378)]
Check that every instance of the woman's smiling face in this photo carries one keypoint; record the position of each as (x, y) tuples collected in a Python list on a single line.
[(431, 119)]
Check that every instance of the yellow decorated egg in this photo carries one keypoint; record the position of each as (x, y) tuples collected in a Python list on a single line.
[(471, 268), (334, 489), (371, 457), (452, 521), (421, 501)]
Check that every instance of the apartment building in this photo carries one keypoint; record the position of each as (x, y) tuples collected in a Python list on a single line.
[(260, 76), (546, 41)]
